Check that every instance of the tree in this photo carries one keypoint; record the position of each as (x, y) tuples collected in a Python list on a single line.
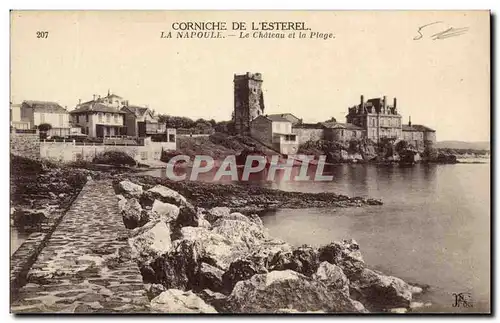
[(401, 146), (45, 127)]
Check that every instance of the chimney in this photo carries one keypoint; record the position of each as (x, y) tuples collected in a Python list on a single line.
[(93, 95), (362, 99), (409, 121), (395, 103), (385, 101), (79, 101)]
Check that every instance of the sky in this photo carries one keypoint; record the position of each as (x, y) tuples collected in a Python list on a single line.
[(443, 84)]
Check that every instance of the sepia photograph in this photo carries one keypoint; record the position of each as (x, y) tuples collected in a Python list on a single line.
[(250, 162)]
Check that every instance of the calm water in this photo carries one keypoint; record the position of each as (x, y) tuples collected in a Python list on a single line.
[(433, 229), (434, 226)]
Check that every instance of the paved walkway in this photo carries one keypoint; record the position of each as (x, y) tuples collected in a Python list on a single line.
[(86, 265)]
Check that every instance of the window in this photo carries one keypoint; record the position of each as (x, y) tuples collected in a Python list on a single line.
[(100, 116), (116, 118), (171, 138), (87, 117), (61, 117), (42, 117), (77, 118), (87, 130), (144, 155), (108, 117)]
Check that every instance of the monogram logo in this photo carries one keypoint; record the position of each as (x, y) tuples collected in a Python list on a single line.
[(462, 300)]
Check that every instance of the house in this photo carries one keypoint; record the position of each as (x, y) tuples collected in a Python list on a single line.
[(100, 117), (309, 131), (290, 117), (377, 118), (276, 132), (419, 136), (335, 131), (140, 121), (15, 118), (39, 112)]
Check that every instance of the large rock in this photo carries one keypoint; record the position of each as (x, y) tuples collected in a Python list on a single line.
[(132, 213), (378, 292), (345, 254), (150, 241), (304, 260), (129, 189), (178, 268), (164, 211), (166, 195), (216, 213), (216, 249), (188, 216), (256, 262), (217, 300), (176, 301), (240, 231), (266, 293), (210, 277), (333, 277)]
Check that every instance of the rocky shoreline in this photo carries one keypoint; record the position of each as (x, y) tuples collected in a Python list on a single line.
[(249, 198), (196, 257)]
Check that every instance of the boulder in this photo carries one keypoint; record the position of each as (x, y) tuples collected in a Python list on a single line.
[(240, 231), (216, 213), (256, 219), (176, 301), (333, 277), (210, 277), (215, 249), (378, 292), (265, 293), (256, 262), (129, 189), (304, 260), (179, 267), (166, 195), (307, 258), (242, 269), (188, 216), (153, 290), (217, 300), (132, 213), (344, 254), (165, 211), (150, 242)]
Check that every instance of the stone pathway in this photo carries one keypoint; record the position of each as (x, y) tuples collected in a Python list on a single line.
[(86, 265)]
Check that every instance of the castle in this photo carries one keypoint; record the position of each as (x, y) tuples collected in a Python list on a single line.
[(248, 100), (374, 119)]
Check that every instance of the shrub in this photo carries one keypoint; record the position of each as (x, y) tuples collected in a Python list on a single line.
[(45, 127), (112, 157)]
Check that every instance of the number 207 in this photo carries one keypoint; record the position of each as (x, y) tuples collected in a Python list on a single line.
[(42, 34)]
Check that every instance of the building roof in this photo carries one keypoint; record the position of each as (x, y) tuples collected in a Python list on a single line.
[(45, 106), (137, 110), (417, 127), (95, 107), (337, 125), (283, 115), (276, 118), (318, 125)]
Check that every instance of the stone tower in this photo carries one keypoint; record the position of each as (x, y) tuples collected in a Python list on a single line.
[(248, 100)]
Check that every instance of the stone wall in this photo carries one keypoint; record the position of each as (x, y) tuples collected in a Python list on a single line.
[(69, 151), (305, 135), (25, 144)]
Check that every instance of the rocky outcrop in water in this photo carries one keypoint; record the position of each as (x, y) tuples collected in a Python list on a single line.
[(206, 260)]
